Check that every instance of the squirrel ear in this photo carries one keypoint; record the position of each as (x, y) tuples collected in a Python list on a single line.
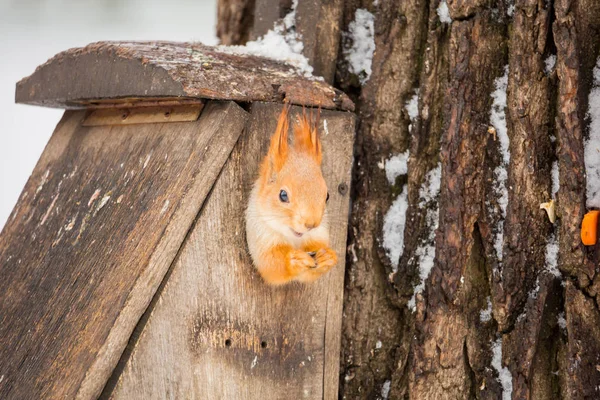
[(278, 150), (306, 137)]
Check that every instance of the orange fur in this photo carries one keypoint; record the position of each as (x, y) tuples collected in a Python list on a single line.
[(306, 138), (279, 148), (281, 234)]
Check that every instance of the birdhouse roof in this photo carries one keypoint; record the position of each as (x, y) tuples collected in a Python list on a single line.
[(104, 73)]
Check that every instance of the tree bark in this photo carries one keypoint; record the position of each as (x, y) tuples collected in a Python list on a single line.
[(490, 245)]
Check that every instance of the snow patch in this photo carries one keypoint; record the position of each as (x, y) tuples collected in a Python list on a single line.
[(562, 322), (281, 43), (552, 244), (550, 62), (431, 189), (498, 115), (412, 106), (444, 13), (552, 255), (592, 144), (428, 194), (533, 294), (498, 121), (395, 166), (555, 178), (395, 219), (486, 315), (359, 54), (385, 389), (504, 376), (393, 228)]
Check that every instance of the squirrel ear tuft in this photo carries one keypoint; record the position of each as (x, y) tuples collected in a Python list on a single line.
[(278, 149), (306, 137)]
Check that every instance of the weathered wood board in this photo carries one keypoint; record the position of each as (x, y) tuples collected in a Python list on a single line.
[(91, 238), (169, 71), (215, 329), (318, 23), (143, 115)]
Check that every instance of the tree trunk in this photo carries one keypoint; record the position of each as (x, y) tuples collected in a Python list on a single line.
[(463, 301)]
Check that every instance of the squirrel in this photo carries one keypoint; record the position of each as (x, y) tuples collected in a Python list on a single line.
[(286, 219)]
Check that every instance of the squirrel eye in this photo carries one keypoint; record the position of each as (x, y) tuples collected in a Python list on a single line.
[(283, 196), (327, 199)]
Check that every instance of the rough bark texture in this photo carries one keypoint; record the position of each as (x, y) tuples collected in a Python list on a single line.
[(491, 244)]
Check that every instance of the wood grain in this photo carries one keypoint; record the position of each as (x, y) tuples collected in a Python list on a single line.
[(266, 14), (143, 115), (319, 24), (234, 21), (170, 70), (90, 239), (216, 330)]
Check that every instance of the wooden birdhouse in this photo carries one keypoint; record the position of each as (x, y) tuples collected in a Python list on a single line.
[(125, 270)]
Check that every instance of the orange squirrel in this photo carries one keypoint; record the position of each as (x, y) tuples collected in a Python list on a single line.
[(286, 224)]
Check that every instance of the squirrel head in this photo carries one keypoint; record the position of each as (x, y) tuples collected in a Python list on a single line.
[(292, 190)]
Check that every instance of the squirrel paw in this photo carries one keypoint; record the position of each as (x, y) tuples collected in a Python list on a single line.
[(326, 259), (299, 261)]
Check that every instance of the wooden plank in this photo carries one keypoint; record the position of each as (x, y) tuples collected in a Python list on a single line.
[(114, 70), (319, 24), (234, 21), (266, 14), (128, 102), (93, 234), (216, 330), (142, 115)]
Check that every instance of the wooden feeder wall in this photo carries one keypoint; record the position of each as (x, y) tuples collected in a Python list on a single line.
[(125, 268)]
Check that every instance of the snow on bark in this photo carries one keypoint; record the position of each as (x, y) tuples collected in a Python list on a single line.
[(428, 195), (592, 144), (504, 376), (282, 43), (359, 52), (498, 121)]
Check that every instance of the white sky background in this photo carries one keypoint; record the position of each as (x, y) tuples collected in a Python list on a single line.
[(32, 31)]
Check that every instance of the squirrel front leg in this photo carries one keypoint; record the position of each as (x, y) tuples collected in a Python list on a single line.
[(282, 263), (325, 257)]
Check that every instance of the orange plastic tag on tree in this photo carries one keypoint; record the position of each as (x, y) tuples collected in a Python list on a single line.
[(589, 228)]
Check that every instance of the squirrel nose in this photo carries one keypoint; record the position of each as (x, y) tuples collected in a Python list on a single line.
[(310, 226)]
